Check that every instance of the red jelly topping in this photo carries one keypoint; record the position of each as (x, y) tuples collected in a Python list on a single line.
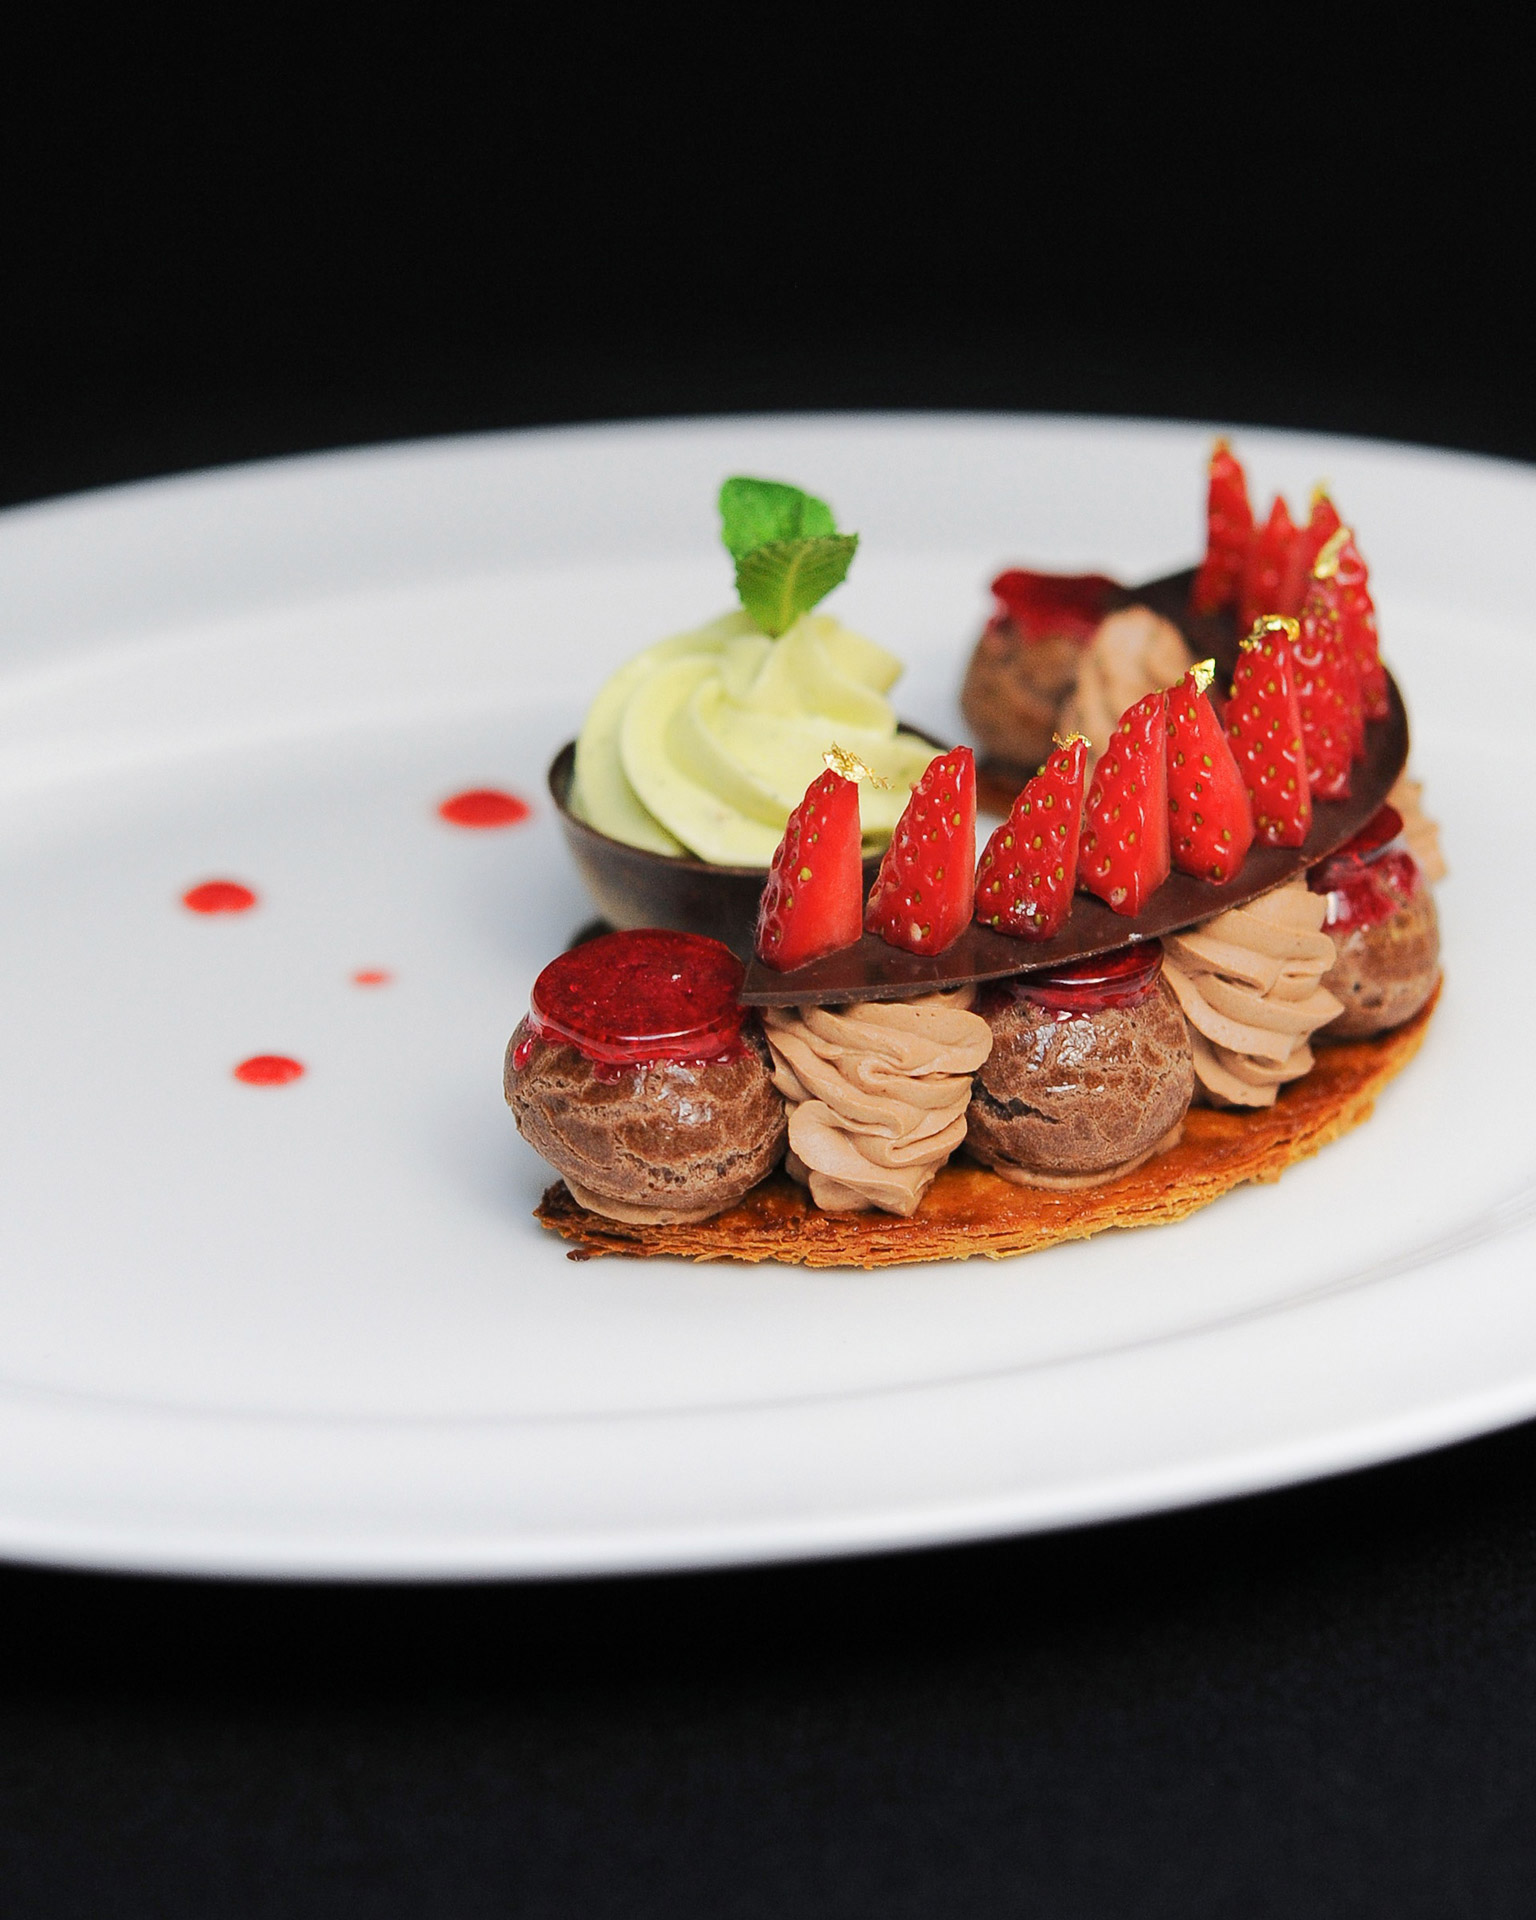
[(1046, 605), (627, 999), (219, 896), (484, 807), (1123, 978), (268, 1070), (1369, 878)]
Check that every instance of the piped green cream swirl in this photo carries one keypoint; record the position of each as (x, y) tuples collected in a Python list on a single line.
[(704, 743)]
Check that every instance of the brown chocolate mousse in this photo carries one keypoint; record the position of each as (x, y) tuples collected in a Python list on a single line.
[(1085, 1089)]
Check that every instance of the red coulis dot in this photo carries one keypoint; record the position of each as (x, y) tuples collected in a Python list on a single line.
[(372, 977), (219, 896), (626, 999), (484, 807), (268, 1070)]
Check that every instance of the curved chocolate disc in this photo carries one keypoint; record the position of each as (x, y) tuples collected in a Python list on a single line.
[(873, 971)]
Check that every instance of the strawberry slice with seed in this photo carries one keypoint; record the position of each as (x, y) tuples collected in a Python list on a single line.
[(1327, 697), (925, 889), (1267, 572), (1210, 825), (1028, 869), (1228, 534), (1345, 578), (1264, 730), (1124, 856), (813, 899)]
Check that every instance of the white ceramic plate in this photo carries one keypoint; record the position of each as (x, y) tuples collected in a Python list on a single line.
[(312, 1328)]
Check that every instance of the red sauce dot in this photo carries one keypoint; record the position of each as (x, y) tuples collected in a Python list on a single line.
[(372, 977), (484, 807), (219, 896), (268, 1070)]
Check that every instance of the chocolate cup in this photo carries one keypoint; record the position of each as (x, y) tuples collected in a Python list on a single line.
[(634, 887)]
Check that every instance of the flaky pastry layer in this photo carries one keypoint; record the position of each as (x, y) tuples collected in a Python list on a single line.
[(969, 1211)]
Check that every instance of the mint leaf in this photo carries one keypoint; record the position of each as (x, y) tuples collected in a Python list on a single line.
[(755, 513), (780, 581)]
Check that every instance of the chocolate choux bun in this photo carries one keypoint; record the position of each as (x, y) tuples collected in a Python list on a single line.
[(641, 1081), (1025, 663), (1385, 931), (1385, 971), (1091, 1072)]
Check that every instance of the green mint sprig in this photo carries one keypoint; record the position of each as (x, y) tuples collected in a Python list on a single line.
[(787, 549)]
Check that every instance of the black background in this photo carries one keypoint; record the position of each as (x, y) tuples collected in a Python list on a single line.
[(324, 229)]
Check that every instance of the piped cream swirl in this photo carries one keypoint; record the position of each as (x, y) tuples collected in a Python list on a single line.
[(1133, 653), (1249, 982), (877, 1094)]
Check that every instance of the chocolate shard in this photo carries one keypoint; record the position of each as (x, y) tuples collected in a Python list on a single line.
[(873, 971)]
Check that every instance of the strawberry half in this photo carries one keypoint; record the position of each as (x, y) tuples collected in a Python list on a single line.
[(1327, 698), (1228, 534), (1346, 580), (813, 898), (1029, 867), (924, 891), (1268, 567), (1306, 544), (1210, 825), (1264, 730), (1124, 857)]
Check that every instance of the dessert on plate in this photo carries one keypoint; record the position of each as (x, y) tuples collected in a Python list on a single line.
[(1194, 951)]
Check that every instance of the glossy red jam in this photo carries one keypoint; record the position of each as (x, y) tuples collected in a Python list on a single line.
[(630, 999), (1370, 877), (1046, 606), (1124, 978)]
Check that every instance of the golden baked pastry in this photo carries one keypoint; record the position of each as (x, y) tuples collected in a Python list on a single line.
[(970, 1211)]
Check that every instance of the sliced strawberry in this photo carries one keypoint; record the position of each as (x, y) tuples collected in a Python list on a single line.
[(1264, 729), (1210, 825), (924, 891), (1124, 857), (1029, 867), (1228, 535), (813, 898), (1050, 606), (1306, 544), (1346, 579), (1327, 698), (1266, 575)]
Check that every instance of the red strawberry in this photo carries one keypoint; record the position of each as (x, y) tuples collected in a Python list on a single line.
[(1346, 579), (1029, 868), (1264, 729), (1124, 858), (1306, 544), (1268, 566), (813, 898), (1327, 698), (924, 891), (1229, 534), (1209, 821)]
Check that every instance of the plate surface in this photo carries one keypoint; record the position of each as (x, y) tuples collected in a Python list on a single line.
[(312, 1329)]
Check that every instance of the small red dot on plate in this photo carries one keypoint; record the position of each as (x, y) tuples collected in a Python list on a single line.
[(372, 977), (484, 807), (268, 1070), (219, 896)]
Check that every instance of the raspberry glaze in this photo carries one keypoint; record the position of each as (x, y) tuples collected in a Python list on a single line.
[(1124, 978), (1369, 878), (632, 999)]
